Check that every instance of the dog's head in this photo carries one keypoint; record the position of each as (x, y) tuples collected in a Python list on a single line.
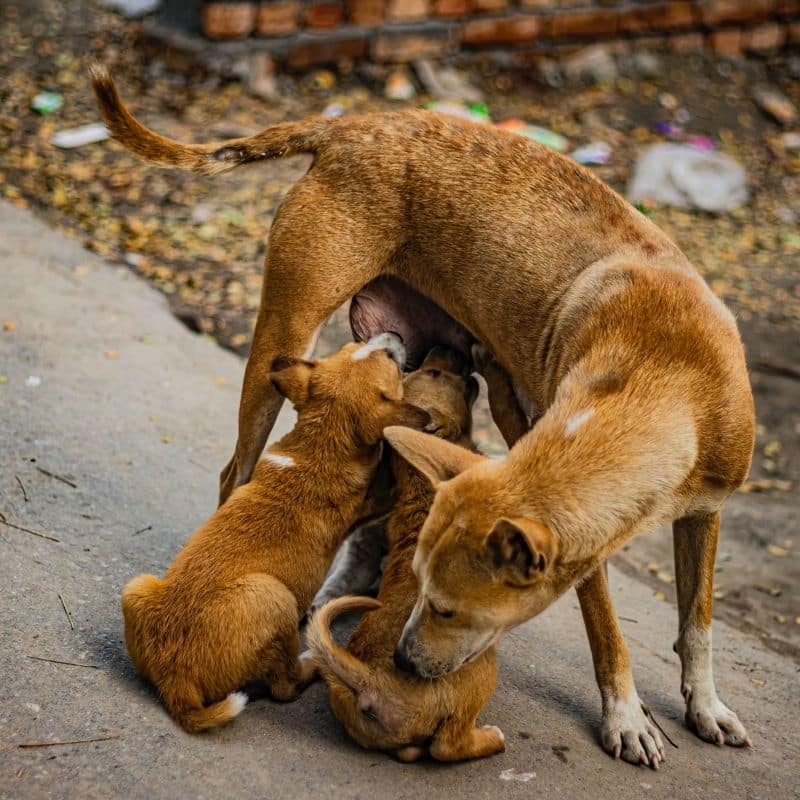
[(355, 393), (482, 567), (443, 387)]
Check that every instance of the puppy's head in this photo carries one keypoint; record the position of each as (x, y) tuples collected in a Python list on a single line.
[(482, 566), (443, 387), (355, 392)]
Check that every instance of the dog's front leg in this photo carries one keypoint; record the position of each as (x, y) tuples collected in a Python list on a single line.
[(625, 730), (695, 550)]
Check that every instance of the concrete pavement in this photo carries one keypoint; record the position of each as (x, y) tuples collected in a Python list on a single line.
[(136, 416)]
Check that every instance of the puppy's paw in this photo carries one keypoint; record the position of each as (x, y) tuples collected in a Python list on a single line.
[(712, 720), (494, 737), (627, 733)]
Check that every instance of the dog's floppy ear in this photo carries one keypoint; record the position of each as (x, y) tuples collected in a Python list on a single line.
[(407, 415), (520, 549), (290, 376), (435, 458)]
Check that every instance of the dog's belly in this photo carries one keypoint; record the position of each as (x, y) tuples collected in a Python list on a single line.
[(389, 304)]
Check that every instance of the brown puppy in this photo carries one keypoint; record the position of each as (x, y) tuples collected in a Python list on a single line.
[(226, 612), (601, 321), (381, 707)]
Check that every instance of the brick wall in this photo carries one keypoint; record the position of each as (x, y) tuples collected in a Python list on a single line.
[(302, 33)]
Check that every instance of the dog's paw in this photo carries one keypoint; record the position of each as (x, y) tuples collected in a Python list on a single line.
[(627, 733), (712, 720), (496, 736)]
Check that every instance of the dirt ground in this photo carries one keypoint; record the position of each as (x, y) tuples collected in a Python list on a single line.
[(201, 241)]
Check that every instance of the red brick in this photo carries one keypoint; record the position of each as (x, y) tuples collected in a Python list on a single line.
[(407, 9), (727, 42), (686, 42), (714, 12), (228, 20), (489, 5), (542, 4), (451, 8), (769, 36), (324, 15), (788, 8), (366, 12), (582, 23), (278, 18), (404, 46), (310, 49), (657, 17), (501, 30)]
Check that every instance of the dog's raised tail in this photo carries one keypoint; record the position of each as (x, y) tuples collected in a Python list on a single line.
[(331, 657), (276, 141)]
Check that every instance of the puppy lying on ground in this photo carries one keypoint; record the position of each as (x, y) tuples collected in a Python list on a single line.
[(381, 707), (226, 613)]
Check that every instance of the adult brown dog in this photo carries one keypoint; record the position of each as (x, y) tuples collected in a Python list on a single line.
[(226, 612), (637, 367), (381, 707)]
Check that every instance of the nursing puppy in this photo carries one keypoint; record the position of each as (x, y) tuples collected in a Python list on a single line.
[(226, 612), (381, 707)]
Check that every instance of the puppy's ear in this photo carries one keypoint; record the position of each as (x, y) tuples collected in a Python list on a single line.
[(407, 415), (435, 458), (290, 376), (520, 549)]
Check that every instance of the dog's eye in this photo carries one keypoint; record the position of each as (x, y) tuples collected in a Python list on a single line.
[(446, 613), (434, 373)]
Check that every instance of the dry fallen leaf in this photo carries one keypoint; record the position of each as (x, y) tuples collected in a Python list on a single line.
[(659, 595), (111, 354), (165, 439), (10, 325), (774, 550), (219, 380), (758, 681)]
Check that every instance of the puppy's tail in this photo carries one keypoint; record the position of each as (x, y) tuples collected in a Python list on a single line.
[(332, 658), (276, 141), (185, 704)]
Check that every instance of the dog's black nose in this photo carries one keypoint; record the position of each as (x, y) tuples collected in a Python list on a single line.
[(402, 662)]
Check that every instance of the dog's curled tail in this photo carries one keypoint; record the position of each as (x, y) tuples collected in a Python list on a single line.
[(185, 704), (332, 658), (276, 141)]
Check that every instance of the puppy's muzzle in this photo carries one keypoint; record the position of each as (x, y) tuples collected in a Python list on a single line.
[(403, 662), (393, 344)]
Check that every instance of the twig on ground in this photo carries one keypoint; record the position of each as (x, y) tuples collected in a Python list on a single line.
[(57, 477), (143, 530), (630, 619), (4, 521), (781, 370), (22, 486), (66, 610), (648, 713), (67, 663), (68, 741)]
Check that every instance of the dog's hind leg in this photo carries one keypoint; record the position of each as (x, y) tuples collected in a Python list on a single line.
[(625, 730), (319, 256), (695, 541), (459, 740)]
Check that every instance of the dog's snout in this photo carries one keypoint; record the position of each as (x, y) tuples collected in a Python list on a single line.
[(402, 661), (393, 344)]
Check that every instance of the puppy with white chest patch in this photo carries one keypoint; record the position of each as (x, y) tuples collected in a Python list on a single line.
[(226, 612), (381, 706)]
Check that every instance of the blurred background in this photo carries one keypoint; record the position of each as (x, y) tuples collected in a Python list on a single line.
[(688, 108)]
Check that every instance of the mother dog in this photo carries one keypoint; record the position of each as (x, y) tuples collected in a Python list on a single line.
[(599, 318)]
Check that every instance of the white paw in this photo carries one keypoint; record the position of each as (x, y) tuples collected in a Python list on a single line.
[(497, 732), (712, 720), (627, 733)]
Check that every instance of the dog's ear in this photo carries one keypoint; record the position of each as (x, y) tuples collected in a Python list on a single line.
[(290, 376), (435, 458), (407, 415), (520, 549)]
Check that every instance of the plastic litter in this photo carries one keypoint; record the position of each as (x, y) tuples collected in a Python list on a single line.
[(776, 104), (593, 153), (399, 87), (445, 83), (551, 139), (47, 102), (791, 140), (132, 8), (475, 112), (683, 176), (676, 132), (333, 110), (78, 137)]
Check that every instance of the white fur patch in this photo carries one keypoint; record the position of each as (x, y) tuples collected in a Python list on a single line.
[(238, 700), (284, 462), (576, 420)]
